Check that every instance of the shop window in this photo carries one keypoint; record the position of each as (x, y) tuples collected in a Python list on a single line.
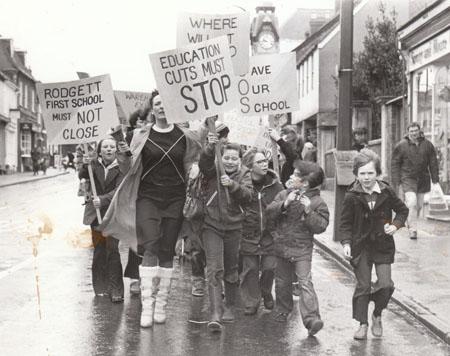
[(25, 143)]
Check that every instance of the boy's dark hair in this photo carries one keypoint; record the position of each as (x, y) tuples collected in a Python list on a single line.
[(310, 172), (232, 146), (413, 124), (364, 157)]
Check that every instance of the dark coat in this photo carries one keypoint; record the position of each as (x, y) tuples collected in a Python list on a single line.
[(364, 228), (412, 165), (227, 217), (105, 188), (293, 229), (288, 166), (256, 238)]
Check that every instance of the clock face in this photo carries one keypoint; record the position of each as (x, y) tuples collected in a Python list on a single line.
[(266, 40)]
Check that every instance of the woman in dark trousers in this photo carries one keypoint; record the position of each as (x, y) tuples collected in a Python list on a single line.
[(256, 248), (222, 227), (148, 206), (366, 232), (106, 265)]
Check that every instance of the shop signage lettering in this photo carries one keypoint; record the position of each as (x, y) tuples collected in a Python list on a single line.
[(429, 51)]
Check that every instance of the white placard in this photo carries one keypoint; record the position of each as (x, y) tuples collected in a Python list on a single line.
[(130, 101)]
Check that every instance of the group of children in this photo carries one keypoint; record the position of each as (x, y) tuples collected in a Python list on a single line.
[(272, 228)]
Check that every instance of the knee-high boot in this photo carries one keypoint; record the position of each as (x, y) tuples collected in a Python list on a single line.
[(149, 288), (165, 275), (215, 307), (230, 301)]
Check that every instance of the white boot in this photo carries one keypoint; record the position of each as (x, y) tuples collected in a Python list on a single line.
[(163, 294), (149, 288)]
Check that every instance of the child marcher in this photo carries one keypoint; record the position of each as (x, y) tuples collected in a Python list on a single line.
[(257, 242), (366, 232), (106, 265), (297, 213)]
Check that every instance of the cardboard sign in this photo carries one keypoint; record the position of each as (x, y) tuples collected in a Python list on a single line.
[(79, 111), (270, 87), (249, 131), (195, 28), (195, 81), (130, 101)]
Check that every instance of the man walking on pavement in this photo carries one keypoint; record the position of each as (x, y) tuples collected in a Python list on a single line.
[(414, 162)]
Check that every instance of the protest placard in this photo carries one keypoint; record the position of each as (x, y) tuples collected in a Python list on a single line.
[(130, 101), (79, 111), (270, 87), (249, 131), (196, 81), (195, 28)]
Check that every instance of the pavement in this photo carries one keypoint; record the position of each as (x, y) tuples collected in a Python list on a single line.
[(420, 271), (25, 177)]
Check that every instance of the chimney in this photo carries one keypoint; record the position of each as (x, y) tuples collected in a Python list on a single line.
[(7, 44), (21, 57)]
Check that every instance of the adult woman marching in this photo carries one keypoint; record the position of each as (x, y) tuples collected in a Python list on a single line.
[(366, 232), (149, 203), (257, 242), (106, 265), (222, 227)]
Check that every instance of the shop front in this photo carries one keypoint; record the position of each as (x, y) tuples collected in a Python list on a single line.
[(426, 47)]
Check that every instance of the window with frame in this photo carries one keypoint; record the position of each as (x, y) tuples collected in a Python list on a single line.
[(25, 142)]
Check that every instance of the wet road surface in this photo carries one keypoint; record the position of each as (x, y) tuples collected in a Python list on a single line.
[(67, 319)]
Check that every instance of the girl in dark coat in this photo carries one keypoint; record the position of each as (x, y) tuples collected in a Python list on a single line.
[(366, 233), (257, 242), (106, 265)]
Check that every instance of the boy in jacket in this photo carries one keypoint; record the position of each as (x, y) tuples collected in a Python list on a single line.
[(222, 226), (366, 232), (298, 213)]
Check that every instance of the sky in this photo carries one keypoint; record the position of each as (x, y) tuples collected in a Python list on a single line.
[(112, 37)]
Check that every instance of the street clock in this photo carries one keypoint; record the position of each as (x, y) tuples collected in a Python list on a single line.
[(264, 35), (266, 39)]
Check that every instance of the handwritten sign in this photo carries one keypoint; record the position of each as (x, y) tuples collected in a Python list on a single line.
[(270, 87), (130, 101), (249, 131), (195, 81), (78, 111), (195, 28)]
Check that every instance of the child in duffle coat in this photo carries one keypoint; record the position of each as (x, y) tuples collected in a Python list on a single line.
[(106, 266), (366, 232), (297, 213)]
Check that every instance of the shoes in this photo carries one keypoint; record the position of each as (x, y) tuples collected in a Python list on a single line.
[(361, 333), (281, 317), (135, 287), (268, 301), (315, 327), (296, 289), (413, 234), (198, 287), (250, 310), (228, 314), (116, 298), (215, 326), (377, 327)]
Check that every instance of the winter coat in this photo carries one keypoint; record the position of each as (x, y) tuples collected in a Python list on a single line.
[(120, 218), (288, 166), (256, 238), (412, 165), (293, 229), (105, 187), (228, 217), (363, 228)]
